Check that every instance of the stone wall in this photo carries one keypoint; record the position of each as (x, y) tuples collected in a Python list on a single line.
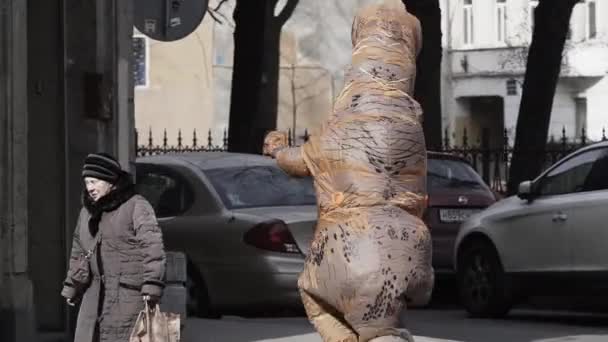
[(46, 128)]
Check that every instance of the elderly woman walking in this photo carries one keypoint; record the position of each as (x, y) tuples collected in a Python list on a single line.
[(118, 259)]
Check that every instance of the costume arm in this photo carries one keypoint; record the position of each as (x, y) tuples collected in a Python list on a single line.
[(154, 261), (291, 161)]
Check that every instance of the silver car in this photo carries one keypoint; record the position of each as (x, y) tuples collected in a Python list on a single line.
[(549, 240), (243, 223)]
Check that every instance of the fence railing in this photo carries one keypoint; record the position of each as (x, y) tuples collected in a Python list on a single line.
[(491, 162)]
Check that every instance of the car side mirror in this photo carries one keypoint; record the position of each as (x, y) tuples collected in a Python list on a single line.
[(525, 190)]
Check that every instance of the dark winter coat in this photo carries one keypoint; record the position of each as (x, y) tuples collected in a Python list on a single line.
[(130, 256)]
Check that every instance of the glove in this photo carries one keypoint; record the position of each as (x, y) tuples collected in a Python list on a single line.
[(152, 300)]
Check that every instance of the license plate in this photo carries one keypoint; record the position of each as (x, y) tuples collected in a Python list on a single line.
[(455, 215)]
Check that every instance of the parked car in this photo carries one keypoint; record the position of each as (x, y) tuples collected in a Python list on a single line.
[(550, 239), (245, 225), (455, 192)]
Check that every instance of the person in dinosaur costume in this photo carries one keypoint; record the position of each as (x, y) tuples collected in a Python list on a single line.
[(371, 252)]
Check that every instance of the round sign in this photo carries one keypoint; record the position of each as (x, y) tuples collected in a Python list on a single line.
[(169, 20)]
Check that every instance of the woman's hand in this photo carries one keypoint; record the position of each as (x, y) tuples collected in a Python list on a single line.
[(152, 300), (70, 301)]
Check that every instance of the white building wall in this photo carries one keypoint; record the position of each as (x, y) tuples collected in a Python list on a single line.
[(483, 67), (597, 109), (563, 114)]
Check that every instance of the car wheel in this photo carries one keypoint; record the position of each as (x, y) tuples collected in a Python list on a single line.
[(483, 286), (197, 303)]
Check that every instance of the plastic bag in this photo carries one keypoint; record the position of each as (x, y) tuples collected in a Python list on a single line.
[(153, 325)]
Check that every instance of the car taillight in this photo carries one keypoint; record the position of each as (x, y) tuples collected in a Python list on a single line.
[(272, 236)]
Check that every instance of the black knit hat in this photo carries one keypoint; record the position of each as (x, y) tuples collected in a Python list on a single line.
[(102, 166)]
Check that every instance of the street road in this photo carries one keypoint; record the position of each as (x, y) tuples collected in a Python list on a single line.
[(445, 325)]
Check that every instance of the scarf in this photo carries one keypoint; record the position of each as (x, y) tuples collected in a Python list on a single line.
[(122, 192)]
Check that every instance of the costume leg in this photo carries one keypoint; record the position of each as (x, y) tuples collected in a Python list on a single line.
[(326, 320), (422, 276), (378, 304)]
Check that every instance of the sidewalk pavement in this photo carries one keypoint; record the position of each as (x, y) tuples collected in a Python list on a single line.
[(236, 329)]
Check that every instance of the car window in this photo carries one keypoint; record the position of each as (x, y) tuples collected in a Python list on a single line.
[(570, 176), (260, 186), (597, 179), (448, 173), (168, 193)]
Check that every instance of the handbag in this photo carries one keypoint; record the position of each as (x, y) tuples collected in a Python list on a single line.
[(81, 274), (153, 325)]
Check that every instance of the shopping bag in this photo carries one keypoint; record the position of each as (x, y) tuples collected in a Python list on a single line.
[(153, 325)]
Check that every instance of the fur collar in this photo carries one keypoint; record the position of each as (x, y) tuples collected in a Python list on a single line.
[(123, 191)]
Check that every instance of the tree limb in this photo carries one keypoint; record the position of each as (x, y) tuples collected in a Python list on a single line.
[(219, 5), (287, 11), (212, 14), (300, 101)]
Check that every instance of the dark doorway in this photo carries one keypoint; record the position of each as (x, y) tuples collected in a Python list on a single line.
[(487, 117), (46, 160)]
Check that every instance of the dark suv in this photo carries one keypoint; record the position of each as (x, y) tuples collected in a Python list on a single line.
[(456, 191)]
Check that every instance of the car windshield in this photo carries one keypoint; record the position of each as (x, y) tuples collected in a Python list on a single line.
[(260, 186), (449, 173)]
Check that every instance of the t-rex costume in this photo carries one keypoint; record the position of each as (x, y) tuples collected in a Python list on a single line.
[(371, 253)]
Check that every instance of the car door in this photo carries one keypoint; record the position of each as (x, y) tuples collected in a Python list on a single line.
[(190, 217), (539, 236), (170, 195), (589, 217)]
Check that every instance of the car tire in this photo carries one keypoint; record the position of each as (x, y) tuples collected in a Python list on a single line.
[(483, 286), (198, 303)]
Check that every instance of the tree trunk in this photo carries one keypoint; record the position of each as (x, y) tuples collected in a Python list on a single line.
[(255, 82), (552, 20), (428, 68), (269, 90), (249, 20)]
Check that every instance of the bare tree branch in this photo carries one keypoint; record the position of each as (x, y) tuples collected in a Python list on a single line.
[(312, 82), (287, 11), (219, 5), (212, 14), (300, 101)]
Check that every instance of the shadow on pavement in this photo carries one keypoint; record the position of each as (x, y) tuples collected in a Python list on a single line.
[(234, 329), (537, 321), (520, 326)]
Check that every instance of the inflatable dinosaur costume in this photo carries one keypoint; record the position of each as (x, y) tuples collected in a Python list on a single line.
[(371, 253)]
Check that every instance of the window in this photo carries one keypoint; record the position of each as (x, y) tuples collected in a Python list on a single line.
[(591, 6), (597, 180), (512, 87), (468, 23), (260, 186), (454, 174), (570, 176), (168, 193), (501, 21), (140, 62), (580, 115)]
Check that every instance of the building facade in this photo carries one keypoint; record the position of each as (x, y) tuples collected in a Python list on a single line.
[(485, 42), (485, 51), (65, 91), (190, 81), (174, 86)]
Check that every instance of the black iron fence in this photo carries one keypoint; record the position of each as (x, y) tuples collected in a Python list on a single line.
[(491, 161), (208, 145)]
